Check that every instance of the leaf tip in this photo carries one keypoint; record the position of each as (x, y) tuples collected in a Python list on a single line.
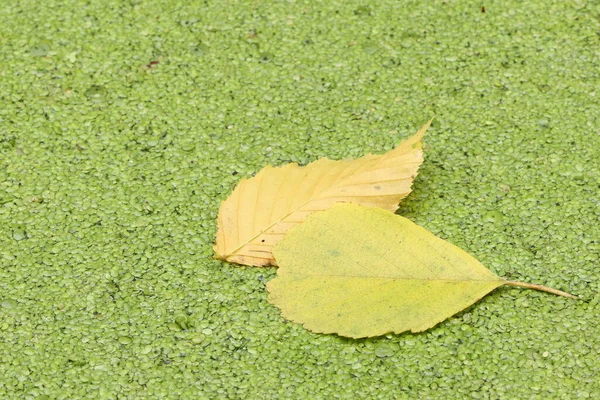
[(415, 141), (421, 132)]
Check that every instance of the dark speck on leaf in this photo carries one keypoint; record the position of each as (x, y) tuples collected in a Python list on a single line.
[(266, 57)]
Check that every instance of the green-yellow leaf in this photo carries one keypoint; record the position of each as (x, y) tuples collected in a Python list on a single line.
[(361, 271), (261, 209)]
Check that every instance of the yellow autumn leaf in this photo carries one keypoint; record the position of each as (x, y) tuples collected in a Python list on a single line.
[(361, 272), (261, 209)]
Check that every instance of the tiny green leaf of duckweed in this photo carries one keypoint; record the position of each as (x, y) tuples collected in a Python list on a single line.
[(361, 271)]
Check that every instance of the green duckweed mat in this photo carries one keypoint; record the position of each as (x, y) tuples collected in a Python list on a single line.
[(123, 124)]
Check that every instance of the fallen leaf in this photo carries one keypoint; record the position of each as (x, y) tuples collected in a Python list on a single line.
[(261, 209), (361, 272)]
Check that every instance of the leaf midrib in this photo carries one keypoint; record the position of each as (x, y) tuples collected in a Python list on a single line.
[(303, 276), (318, 197)]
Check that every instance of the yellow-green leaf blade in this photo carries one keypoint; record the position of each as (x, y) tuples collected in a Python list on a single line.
[(261, 209), (365, 307), (359, 271)]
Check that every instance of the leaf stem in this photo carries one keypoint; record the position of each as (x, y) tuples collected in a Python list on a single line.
[(541, 288)]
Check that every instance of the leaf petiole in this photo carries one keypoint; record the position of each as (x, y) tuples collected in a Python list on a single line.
[(541, 288)]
